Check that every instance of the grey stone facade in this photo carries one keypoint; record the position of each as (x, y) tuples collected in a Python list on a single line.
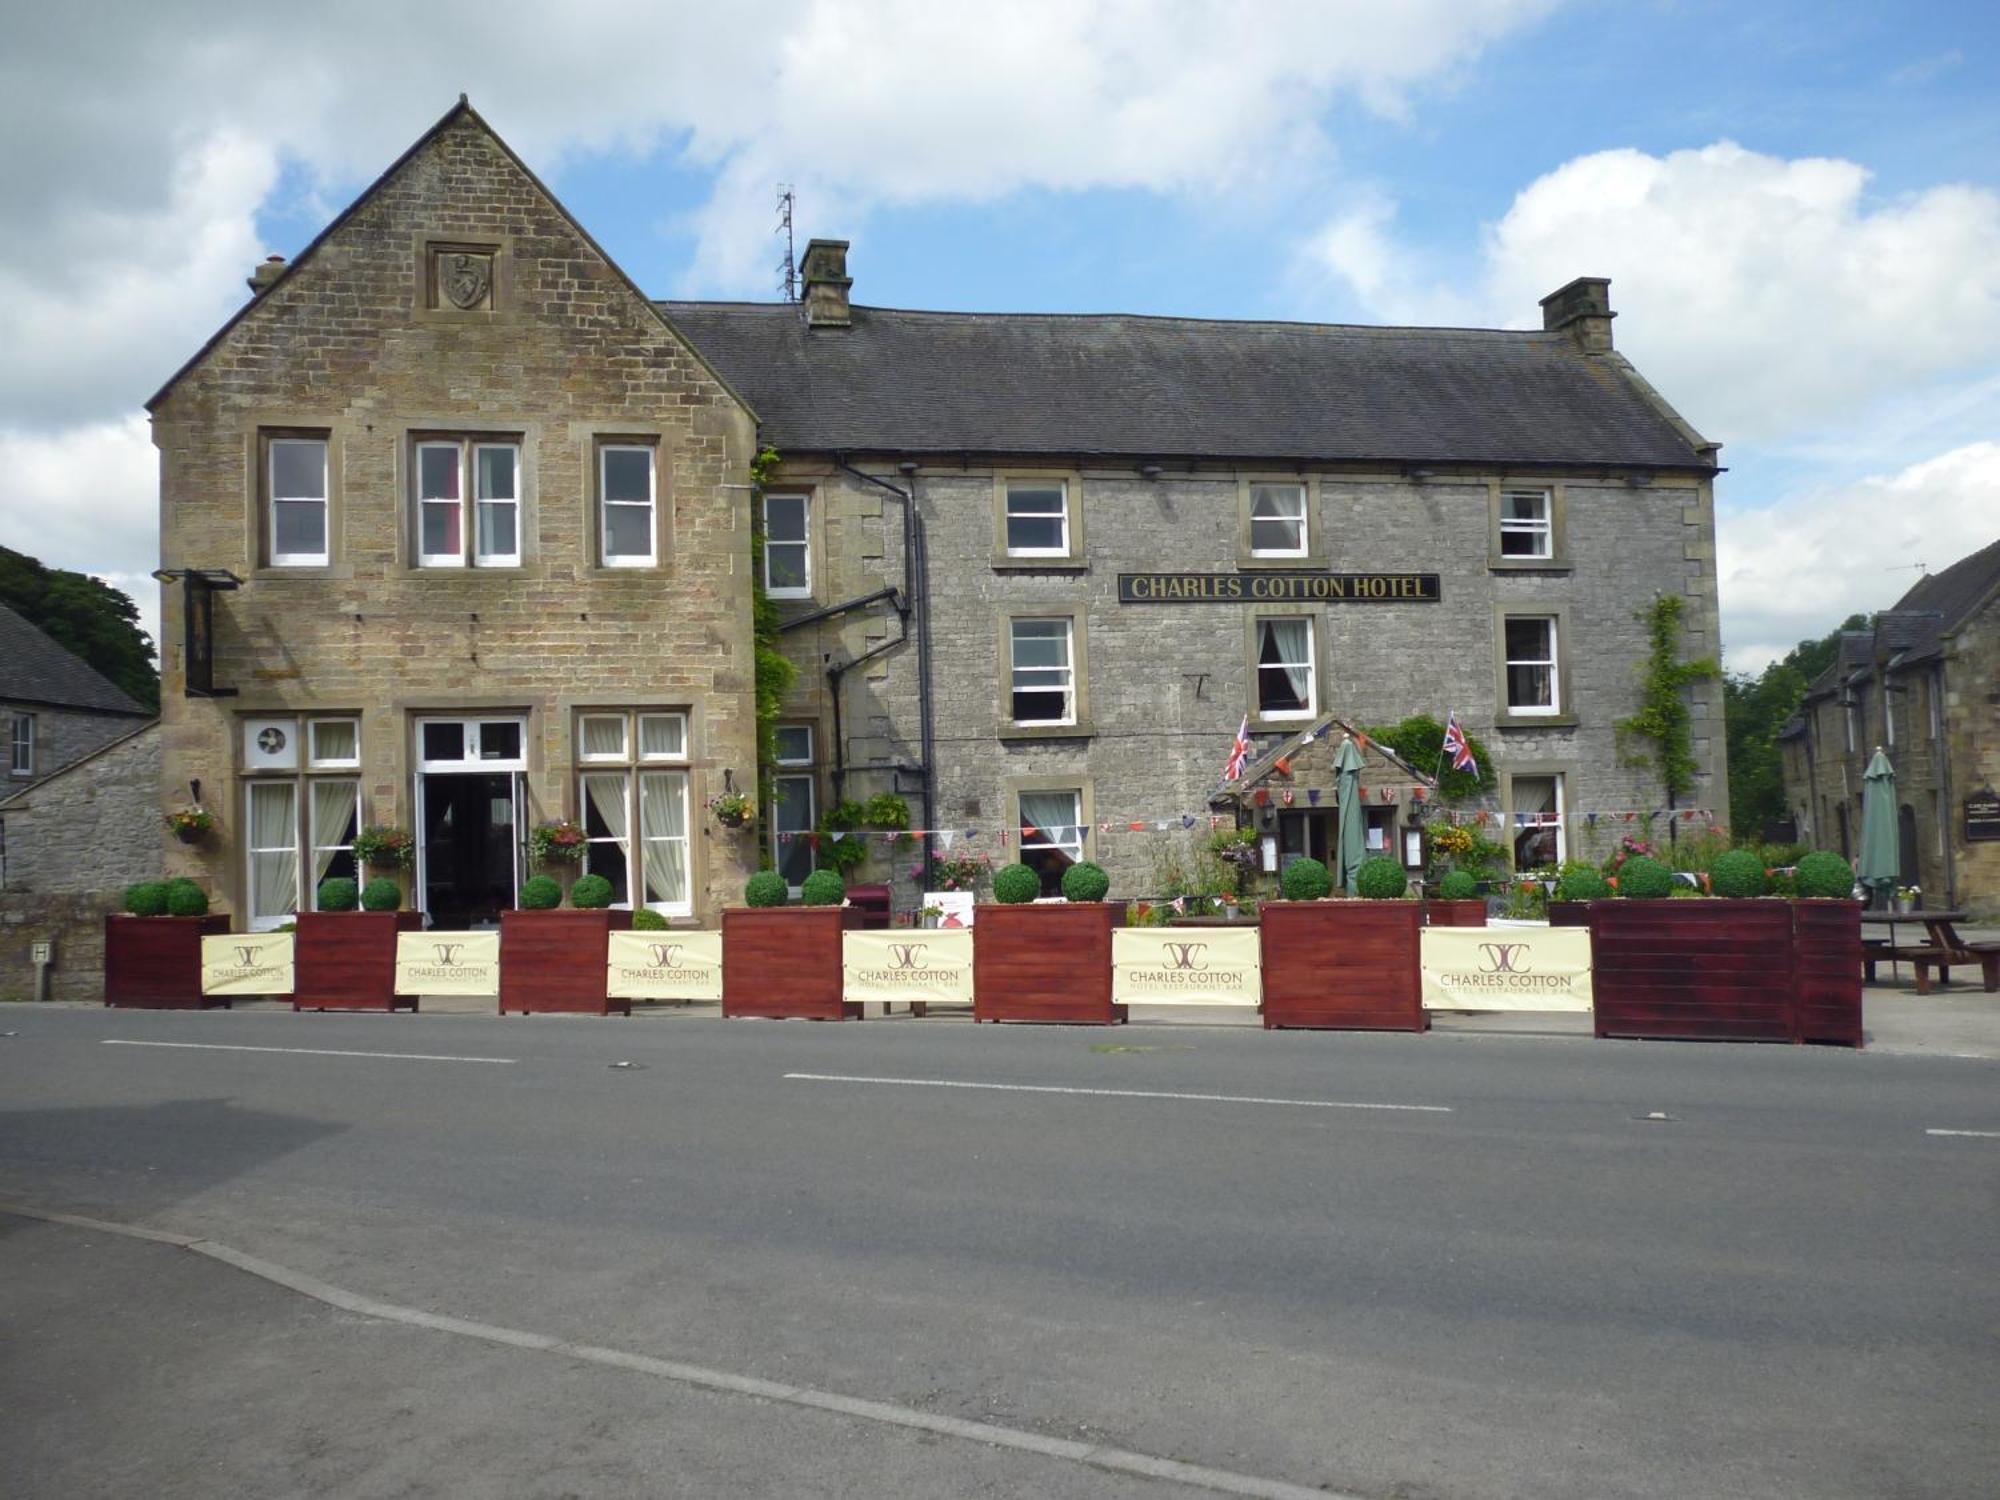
[(61, 736)]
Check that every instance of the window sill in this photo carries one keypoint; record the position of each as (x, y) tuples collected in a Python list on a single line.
[(1315, 563), (1009, 730), (1007, 563), (1535, 721), (304, 573), (1498, 564), (1284, 724)]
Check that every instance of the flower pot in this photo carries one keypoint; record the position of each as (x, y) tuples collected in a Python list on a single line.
[(732, 820), (783, 962), (1456, 913), (154, 963), (558, 962), (1708, 970), (1826, 963), (1346, 965), (1044, 963), (346, 960), (189, 835), (1569, 914)]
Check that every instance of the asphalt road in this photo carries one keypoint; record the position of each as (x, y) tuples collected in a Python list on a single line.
[(1517, 1282)]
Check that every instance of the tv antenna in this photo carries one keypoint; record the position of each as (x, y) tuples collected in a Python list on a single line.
[(788, 267), (1919, 566)]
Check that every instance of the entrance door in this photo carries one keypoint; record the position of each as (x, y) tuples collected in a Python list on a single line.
[(1305, 835), (468, 847)]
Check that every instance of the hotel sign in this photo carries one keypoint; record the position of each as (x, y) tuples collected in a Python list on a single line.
[(676, 965), (930, 965), (1278, 588), (1982, 817), (1186, 966)]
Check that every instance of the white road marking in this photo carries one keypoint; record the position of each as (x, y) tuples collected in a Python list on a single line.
[(1985, 1135), (306, 1051), (1047, 1088), (1090, 1455)]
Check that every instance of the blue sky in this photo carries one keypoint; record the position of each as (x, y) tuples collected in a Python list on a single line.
[(1797, 204)]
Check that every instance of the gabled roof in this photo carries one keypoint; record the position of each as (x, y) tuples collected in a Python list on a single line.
[(1116, 384), (34, 669), (1959, 589)]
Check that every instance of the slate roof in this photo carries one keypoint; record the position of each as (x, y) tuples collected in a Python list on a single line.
[(34, 669), (1959, 589), (1121, 385)]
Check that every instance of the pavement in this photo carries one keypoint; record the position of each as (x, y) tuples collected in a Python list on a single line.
[(1445, 1267)]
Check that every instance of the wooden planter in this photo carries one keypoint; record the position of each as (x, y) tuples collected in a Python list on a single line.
[(783, 962), (1044, 963), (346, 960), (1457, 913), (1707, 970), (1826, 964), (1345, 965), (1569, 914), (558, 961), (154, 963)]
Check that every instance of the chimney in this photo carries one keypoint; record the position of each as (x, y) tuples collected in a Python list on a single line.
[(268, 271), (824, 272), (1583, 310)]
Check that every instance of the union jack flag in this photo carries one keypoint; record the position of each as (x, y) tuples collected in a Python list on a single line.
[(1239, 752), (1456, 747)]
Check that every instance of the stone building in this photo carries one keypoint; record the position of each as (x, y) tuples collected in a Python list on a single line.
[(1922, 684), (57, 708), (466, 524)]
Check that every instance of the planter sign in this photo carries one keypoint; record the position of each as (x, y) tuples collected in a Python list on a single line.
[(448, 963), (1186, 966), (932, 967), (1507, 968), (247, 963), (665, 966)]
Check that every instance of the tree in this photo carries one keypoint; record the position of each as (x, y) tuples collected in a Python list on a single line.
[(86, 617), (1756, 708), (1661, 733)]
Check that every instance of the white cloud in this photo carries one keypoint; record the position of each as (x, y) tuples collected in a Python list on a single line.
[(1795, 570), (87, 498)]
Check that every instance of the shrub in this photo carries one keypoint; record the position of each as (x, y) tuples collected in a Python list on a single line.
[(381, 894), (645, 919), (385, 848), (1738, 874), (1085, 882), (766, 888), (1457, 885), (823, 888), (147, 899), (1305, 880), (186, 899), (1014, 885), (1825, 876), (540, 894), (1581, 882), (1643, 878), (1381, 879), (338, 894), (592, 893)]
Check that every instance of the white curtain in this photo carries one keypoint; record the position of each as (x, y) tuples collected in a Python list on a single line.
[(274, 852), (1293, 642), (333, 804), (662, 736), (1055, 815), (604, 735), (663, 834), (607, 800)]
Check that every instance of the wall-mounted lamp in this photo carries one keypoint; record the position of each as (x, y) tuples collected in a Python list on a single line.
[(1638, 481), (1150, 471), (728, 781), (194, 791), (1420, 475)]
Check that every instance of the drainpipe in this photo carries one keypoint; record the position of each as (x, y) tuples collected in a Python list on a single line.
[(1938, 701)]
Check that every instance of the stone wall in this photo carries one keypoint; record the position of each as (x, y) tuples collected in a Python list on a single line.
[(1972, 738), (62, 737), (73, 843)]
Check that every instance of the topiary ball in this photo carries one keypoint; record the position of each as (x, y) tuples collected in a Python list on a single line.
[(1582, 883), (1739, 874), (645, 919), (339, 894), (381, 894), (147, 899), (592, 893), (766, 888), (1643, 878), (1381, 879), (1015, 885), (1085, 882), (1825, 876), (1305, 880), (186, 899), (1458, 885), (823, 888), (540, 894)]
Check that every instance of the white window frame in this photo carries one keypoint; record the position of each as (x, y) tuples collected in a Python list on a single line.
[(1073, 850), (1065, 682), (803, 544), (1543, 527), (1553, 662), (21, 745), (1933, 709), (264, 921), (425, 504), (1554, 819), (794, 760), (1311, 665), (661, 757), (470, 760), (314, 761), (1888, 716), (651, 505), (323, 499), (1263, 488), (470, 503), (481, 503), (779, 848), (1061, 487), (633, 767), (622, 756), (309, 809)]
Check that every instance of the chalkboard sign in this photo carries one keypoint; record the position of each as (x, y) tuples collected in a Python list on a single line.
[(1982, 817)]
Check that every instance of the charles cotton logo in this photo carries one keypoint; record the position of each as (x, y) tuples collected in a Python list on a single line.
[(447, 954), (665, 955), (1505, 958), (1186, 955), (246, 955), (907, 955)]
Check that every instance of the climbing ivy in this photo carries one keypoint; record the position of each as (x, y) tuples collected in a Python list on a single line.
[(775, 672), (1660, 733)]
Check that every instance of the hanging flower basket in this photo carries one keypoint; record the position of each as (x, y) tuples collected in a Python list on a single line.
[(191, 824), (731, 809), (558, 843), (385, 848)]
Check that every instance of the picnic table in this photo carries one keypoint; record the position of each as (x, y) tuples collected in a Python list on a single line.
[(1941, 949)]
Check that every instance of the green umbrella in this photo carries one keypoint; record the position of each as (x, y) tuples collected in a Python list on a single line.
[(1353, 839), (1881, 863)]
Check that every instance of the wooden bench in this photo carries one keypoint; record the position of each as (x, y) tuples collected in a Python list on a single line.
[(1986, 956)]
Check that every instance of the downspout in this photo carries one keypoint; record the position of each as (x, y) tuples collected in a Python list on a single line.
[(1943, 754)]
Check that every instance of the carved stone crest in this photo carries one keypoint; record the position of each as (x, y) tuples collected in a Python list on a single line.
[(465, 279)]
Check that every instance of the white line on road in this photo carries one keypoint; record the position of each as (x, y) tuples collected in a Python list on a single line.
[(1985, 1135), (1047, 1088), (305, 1051)]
